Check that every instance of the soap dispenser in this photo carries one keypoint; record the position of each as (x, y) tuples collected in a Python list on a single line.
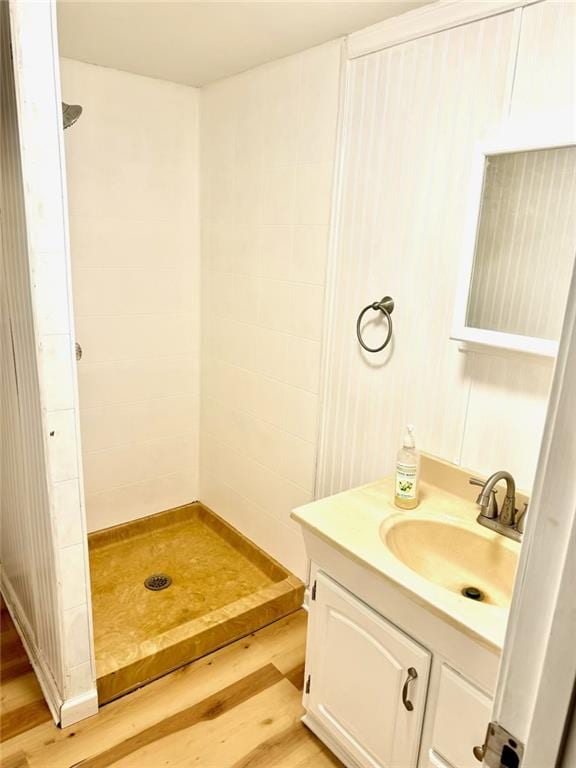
[(407, 472)]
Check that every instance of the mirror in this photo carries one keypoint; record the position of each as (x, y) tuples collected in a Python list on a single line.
[(522, 249)]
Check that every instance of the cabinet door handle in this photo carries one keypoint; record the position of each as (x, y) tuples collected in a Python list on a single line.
[(479, 753), (412, 675)]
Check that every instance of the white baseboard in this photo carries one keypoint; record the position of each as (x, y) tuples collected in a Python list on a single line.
[(65, 712), (45, 678), (78, 708)]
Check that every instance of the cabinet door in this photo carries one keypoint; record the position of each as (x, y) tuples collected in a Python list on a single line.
[(462, 715), (358, 667)]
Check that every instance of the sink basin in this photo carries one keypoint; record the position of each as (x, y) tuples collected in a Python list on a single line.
[(455, 556)]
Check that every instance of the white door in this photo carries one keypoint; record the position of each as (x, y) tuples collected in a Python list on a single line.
[(537, 677), (368, 680)]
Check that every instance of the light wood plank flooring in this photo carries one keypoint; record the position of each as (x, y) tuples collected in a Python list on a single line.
[(236, 708)]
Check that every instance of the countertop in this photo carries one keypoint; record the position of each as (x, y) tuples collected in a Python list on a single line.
[(351, 521)]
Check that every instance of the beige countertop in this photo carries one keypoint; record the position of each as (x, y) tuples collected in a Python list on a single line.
[(352, 522)]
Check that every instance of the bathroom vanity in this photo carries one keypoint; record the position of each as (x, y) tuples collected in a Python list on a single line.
[(401, 665)]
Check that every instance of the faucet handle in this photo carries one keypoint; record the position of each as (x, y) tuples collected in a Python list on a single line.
[(491, 511), (521, 518)]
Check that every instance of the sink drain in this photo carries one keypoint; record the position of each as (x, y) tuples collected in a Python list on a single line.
[(473, 593), (157, 581)]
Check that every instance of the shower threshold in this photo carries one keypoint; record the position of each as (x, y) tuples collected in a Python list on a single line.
[(221, 587)]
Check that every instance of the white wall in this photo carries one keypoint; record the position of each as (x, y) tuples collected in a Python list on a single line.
[(415, 113), (268, 154), (43, 545), (133, 193), (268, 142)]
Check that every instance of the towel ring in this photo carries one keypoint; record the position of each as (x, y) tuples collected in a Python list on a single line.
[(386, 306)]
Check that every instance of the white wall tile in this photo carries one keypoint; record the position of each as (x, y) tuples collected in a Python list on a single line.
[(270, 133), (61, 441), (313, 193), (56, 370), (71, 564), (302, 363), (128, 381), (276, 247), (237, 296), (282, 92), (108, 426), (282, 541), (317, 96), (270, 402), (133, 190), (136, 462), (300, 413), (310, 254), (51, 293), (121, 291), (144, 336), (279, 194), (120, 242), (130, 502), (76, 634), (79, 678), (306, 310), (276, 308), (270, 353), (66, 501)]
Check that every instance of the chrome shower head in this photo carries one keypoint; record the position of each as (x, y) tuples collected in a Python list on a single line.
[(70, 113)]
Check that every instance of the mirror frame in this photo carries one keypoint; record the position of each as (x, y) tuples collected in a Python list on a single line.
[(508, 140)]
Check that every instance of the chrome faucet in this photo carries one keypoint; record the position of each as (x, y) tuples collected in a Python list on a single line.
[(507, 521)]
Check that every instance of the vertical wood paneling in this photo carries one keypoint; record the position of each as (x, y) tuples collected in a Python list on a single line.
[(545, 82), (544, 89), (28, 557), (399, 231), (44, 547), (413, 115), (526, 243)]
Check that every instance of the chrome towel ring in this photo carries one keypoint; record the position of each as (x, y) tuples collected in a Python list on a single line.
[(386, 306)]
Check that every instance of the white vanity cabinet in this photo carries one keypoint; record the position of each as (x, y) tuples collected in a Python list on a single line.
[(381, 698), (366, 681)]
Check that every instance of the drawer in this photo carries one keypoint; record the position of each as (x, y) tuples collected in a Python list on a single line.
[(462, 715)]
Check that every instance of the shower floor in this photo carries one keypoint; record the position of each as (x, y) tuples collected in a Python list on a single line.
[(223, 588)]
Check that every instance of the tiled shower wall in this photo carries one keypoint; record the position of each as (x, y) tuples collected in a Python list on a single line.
[(132, 180), (268, 147)]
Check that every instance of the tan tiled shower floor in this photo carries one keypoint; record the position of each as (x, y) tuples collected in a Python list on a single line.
[(223, 587)]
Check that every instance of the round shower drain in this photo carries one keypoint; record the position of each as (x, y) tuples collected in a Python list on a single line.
[(157, 581), (473, 593)]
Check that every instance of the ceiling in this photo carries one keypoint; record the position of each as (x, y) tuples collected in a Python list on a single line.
[(198, 42)]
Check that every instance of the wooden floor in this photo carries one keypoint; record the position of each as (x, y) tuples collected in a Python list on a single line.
[(236, 708)]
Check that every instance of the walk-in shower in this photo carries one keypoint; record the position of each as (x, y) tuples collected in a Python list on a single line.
[(171, 583)]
